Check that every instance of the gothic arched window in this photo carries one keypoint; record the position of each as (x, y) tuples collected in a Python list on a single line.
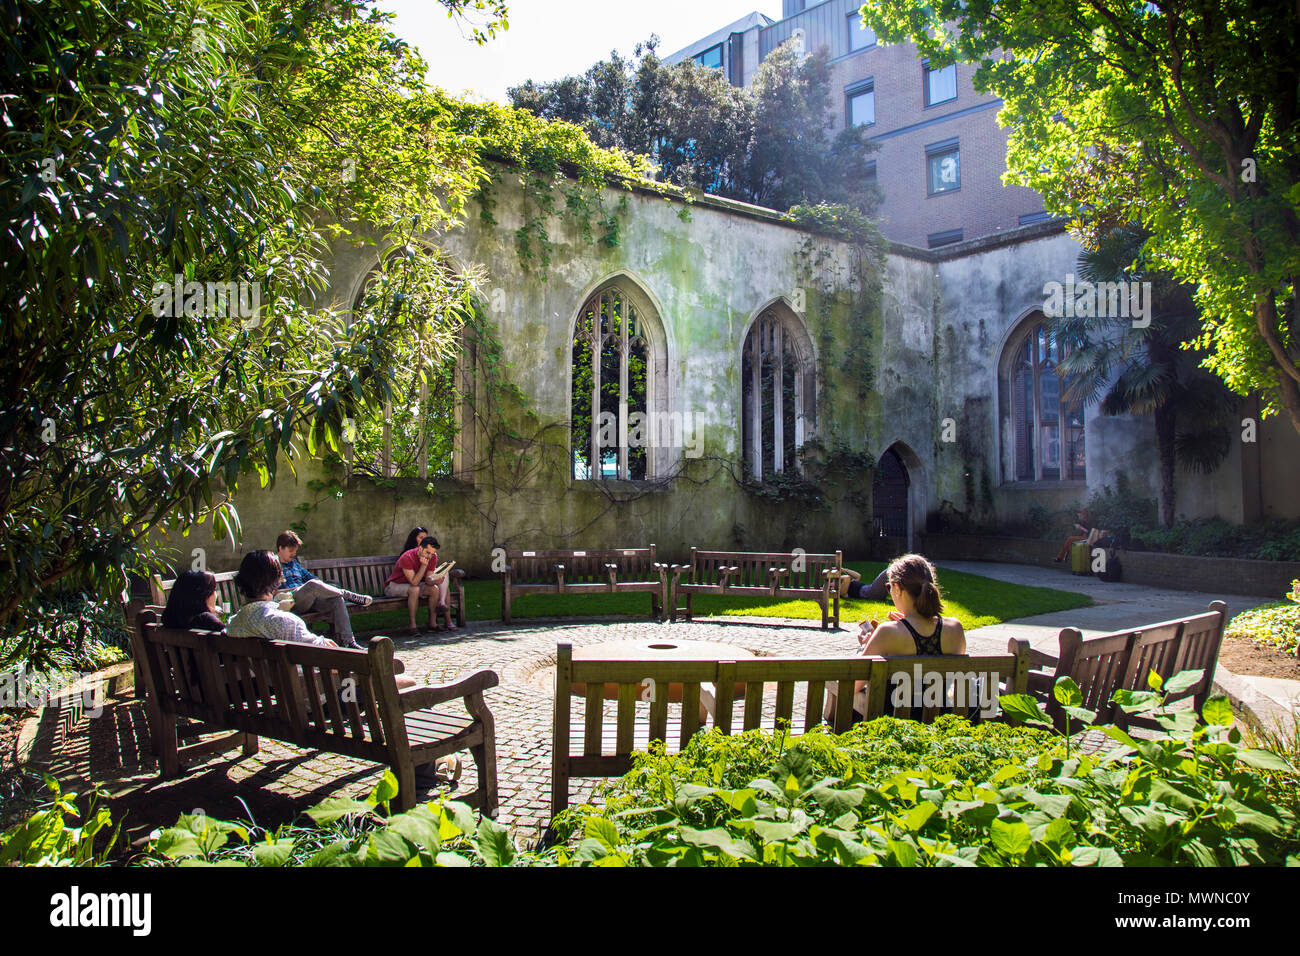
[(1046, 432), (426, 431), (777, 391), (619, 427)]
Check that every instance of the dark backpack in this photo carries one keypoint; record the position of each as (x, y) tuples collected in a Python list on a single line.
[(1114, 569)]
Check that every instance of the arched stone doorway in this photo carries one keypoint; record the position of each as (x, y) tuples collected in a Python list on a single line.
[(898, 495)]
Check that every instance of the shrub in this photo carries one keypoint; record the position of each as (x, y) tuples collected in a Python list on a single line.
[(1193, 796), (1121, 508), (69, 632)]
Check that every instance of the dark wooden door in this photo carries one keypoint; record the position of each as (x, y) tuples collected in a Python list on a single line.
[(889, 497)]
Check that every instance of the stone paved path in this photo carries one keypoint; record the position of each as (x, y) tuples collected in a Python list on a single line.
[(281, 781)]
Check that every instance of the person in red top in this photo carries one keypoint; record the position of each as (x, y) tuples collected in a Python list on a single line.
[(413, 578)]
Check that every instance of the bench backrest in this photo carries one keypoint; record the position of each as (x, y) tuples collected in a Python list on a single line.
[(227, 593), (1123, 660), (581, 566), (366, 575), (332, 699), (706, 567), (649, 680)]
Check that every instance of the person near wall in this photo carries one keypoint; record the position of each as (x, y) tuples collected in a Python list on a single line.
[(916, 626), (192, 604), (1090, 534), (413, 577), (414, 538), (310, 593)]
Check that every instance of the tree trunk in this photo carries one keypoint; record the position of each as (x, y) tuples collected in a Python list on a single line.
[(1166, 431)]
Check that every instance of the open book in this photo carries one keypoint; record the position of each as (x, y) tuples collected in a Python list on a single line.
[(442, 569)]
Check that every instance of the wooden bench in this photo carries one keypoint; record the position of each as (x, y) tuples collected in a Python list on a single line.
[(596, 747), (330, 699), (360, 575), (600, 571), (1122, 660), (755, 574)]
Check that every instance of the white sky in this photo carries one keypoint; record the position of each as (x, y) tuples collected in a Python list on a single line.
[(549, 39)]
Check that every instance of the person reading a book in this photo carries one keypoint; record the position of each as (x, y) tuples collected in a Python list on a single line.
[(416, 575)]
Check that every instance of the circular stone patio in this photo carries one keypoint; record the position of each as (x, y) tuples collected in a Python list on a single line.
[(281, 780)]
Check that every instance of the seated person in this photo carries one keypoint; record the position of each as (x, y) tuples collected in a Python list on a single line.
[(850, 585), (1090, 534), (258, 579), (413, 539), (413, 578), (312, 594), (192, 604), (916, 626)]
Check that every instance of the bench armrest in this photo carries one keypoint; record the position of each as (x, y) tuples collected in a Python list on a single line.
[(1039, 659), (422, 698)]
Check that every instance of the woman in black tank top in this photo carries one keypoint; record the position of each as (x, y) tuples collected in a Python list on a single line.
[(917, 626)]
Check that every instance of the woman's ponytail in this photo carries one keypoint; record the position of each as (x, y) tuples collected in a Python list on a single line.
[(914, 574)]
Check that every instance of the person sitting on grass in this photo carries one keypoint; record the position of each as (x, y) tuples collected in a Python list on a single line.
[(192, 604), (413, 578), (310, 593), (258, 579)]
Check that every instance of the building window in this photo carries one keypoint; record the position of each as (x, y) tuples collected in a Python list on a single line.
[(711, 57), (778, 385), (861, 107), (937, 239), (619, 412), (861, 36), (871, 172), (426, 429), (1035, 217), (940, 83), (1047, 432), (943, 165)]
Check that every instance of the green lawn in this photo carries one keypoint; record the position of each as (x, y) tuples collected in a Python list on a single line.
[(974, 600)]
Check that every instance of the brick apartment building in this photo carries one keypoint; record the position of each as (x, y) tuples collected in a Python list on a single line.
[(942, 153)]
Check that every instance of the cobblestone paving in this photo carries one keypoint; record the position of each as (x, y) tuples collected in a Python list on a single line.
[(282, 780)]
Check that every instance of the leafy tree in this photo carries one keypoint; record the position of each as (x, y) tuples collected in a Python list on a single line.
[(1180, 115), (1146, 370), (151, 144), (766, 144)]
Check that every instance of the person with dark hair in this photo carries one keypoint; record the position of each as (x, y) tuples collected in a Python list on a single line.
[(413, 539), (259, 577), (192, 603), (918, 608), (310, 593), (413, 578)]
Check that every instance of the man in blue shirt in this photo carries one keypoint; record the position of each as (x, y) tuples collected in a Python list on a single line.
[(310, 593)]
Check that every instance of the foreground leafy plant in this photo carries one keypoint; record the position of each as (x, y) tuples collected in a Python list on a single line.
[(46, 839), (351, 833), (1194, 796)]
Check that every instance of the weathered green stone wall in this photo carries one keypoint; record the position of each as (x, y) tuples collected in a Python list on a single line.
[(907, 359), (706, 271)]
